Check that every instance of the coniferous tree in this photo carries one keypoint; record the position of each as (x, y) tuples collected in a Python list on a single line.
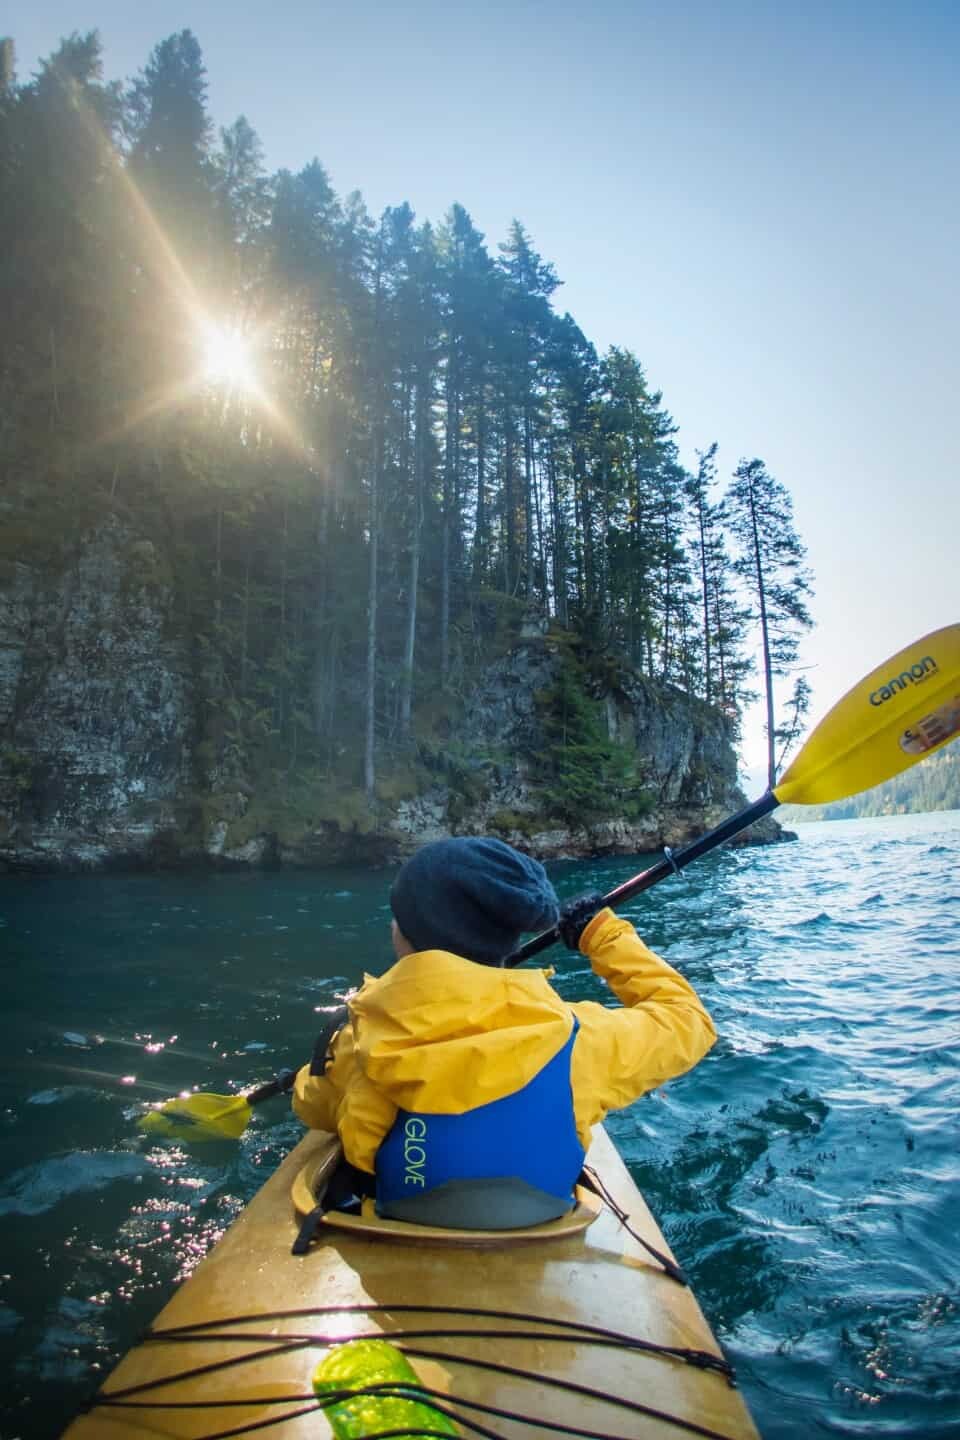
[(573, 380), (468, 289), (242, 192), (8, 68), (772, 564), (643, 568), (62, 285), (529, 283), (585, 774), (418, 318), (170, 131), (723, 617), (170, 224)]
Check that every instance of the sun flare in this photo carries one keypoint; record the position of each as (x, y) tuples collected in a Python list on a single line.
[(227, 358)]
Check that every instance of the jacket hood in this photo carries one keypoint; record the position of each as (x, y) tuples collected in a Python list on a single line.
[(442, 1034)]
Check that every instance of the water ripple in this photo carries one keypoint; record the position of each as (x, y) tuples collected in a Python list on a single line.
[(806, 1172)]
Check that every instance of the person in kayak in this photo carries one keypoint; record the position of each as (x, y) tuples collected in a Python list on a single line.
[(464, 1092)]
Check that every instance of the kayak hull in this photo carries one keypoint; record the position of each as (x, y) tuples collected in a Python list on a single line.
[(509, 1328)]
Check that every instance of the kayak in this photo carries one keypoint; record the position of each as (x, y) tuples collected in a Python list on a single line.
[(583, 1326)]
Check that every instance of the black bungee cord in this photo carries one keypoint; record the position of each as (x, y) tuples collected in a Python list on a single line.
[(574, 1329), (563, 1330), (435, 1399)]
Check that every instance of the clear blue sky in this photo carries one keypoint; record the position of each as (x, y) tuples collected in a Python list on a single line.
[(760, 199)]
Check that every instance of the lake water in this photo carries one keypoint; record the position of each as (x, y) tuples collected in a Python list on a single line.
[(807, 1173)]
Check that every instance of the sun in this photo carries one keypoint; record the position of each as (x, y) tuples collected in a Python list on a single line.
[(227, 358)]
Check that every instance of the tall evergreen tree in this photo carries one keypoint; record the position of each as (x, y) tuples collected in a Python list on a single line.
[(643, 566), (418, 318), (574, 380), (469, 293), (8, 68), (529, 283), (704, 547), (772, 564), (61, 282), (169, 128), (169, 229), (723, 617), (242, 192)]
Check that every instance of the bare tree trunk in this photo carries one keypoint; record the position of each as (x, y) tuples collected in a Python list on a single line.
[(704, 472), (419, 452), (528, 501), (218, 574), (541, 553), (721, 649), (54, 383), (449, 488), (479, 534), (369, 772), (559, 539), (704, 586), (369, 748), (281, 685), (765, 636), (245, 629), (584, 512), (317, 677), (511, 568)]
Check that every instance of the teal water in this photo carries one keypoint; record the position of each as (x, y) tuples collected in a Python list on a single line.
[(807, 1173)]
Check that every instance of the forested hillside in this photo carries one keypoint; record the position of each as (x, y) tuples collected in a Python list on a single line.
[(932, 785), (362, 452)]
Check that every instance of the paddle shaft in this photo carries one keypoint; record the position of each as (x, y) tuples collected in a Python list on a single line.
[(675, 861), (279, 1085)]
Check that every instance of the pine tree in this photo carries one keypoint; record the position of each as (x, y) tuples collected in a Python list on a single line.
[(643, 570), (418, 319), (574, 387), (61, 283), (170, 130), (242, 192), (170, 230), (772, 564), (468, 304), (8, 69), (723, 616), (529, 283)]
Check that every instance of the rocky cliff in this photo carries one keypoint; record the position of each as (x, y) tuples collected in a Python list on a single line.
[(686, 764), (101, 694), (96, 697)]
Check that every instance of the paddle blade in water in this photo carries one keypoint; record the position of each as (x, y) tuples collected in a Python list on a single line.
[(361, 1365), (199, 1117), (903, 710)]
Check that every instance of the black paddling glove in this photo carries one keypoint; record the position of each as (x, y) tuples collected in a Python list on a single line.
[(576, 915)]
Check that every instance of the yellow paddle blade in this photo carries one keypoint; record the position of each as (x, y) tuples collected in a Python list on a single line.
[(905, 709), (199, 1117)]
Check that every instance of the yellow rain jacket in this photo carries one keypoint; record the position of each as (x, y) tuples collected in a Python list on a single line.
[(441, 1034)]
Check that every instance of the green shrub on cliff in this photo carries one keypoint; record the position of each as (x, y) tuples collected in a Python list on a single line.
[(585, 774)]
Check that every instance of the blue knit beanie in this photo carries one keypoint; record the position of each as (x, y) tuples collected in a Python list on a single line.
[(474, 897)]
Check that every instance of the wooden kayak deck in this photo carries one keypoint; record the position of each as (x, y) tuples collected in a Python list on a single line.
[(538, 1362)]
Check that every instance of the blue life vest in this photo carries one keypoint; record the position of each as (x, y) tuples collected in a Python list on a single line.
[(511, 1163)]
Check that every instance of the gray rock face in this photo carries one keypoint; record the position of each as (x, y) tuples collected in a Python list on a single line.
[(95, 707), (99, 693), (683, 749)]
